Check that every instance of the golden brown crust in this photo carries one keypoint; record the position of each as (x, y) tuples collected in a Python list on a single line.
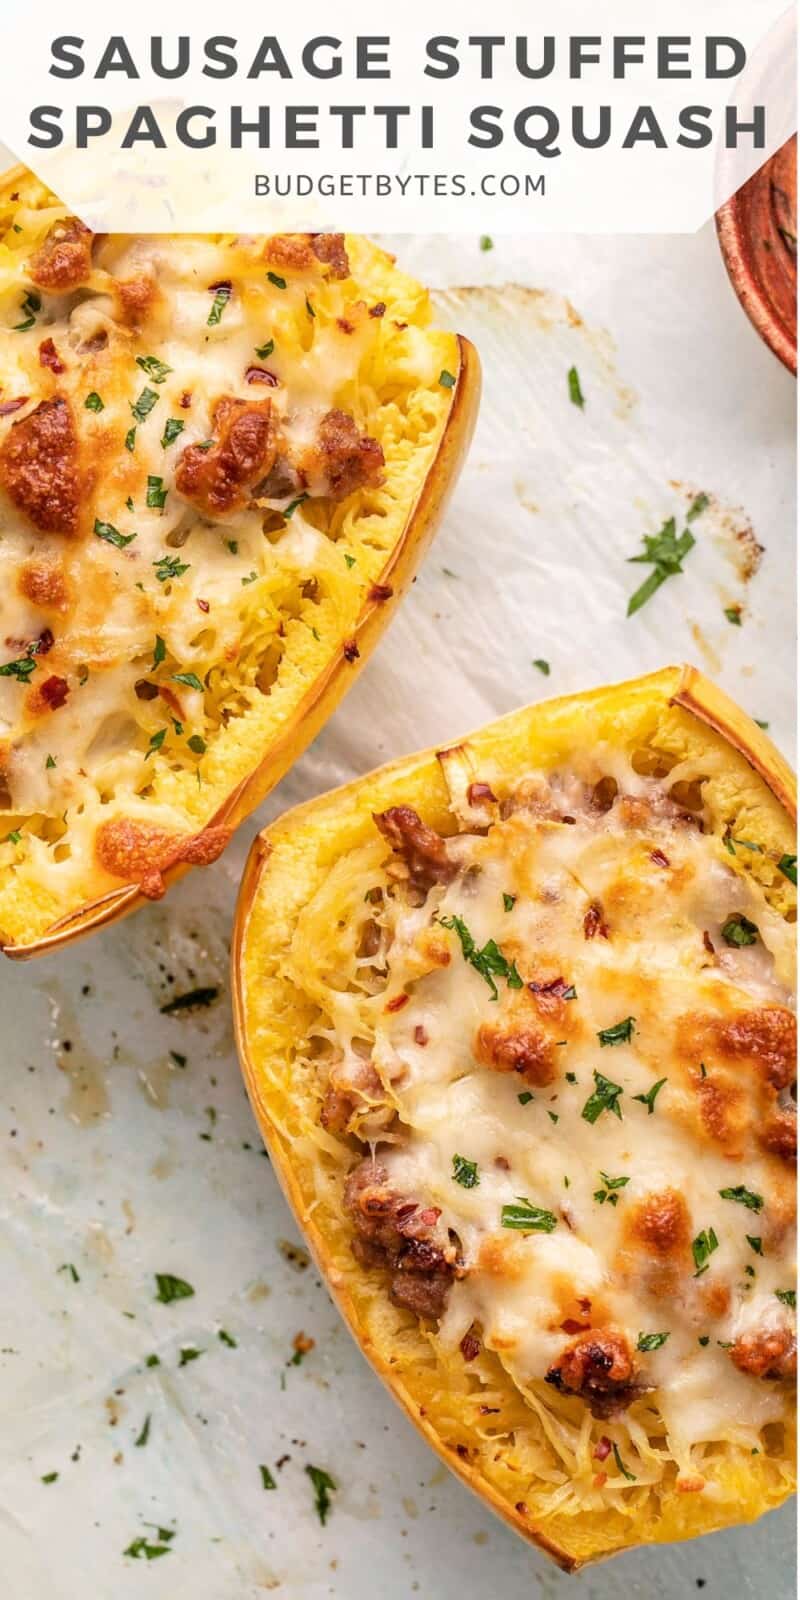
[(45, 584), (39, 467), (296, 252), (64, 260), (505, 1048), (766, 1353), (141, 852), (220, 480), (660, 1223)]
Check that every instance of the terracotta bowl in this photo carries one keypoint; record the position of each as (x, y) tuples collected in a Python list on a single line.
[(757, 231)]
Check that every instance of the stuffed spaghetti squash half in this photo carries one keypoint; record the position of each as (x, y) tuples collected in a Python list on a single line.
[(221, 459), (516, 1022)]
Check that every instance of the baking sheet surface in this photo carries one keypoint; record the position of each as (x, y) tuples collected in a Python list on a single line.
[(129, 1147)]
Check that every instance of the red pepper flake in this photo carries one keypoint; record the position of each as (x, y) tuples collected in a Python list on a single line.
[(185, 400), (600, 1480), (602, 1449), (521, 1508), (378, 310), (430, 1216), (346, 327), (397, 1003), (261, 375), (593, 923), (54, 692), (420, 1034), (707, 943), (49, 357), (204, 605), (659, 858), (379, 592), (7, 406), (571, 1325), (44, 642), (350, 650), (470, 1347)]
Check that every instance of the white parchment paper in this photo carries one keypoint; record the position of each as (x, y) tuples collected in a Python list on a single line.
[(128, 1146)]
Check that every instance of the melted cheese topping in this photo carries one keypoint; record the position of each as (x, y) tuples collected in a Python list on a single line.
[(611, 1068), (167, 627)]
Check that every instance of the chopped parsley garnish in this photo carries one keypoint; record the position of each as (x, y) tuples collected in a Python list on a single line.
[(20, 669), (649, 1099), (734, 615), (153, 1361), (739, 931), (525, 1097), (130, 439), (172, 427), (574, 387), (267, 1480), (349, 561), (156, 493), (144, 1434), (702, 1247), (264, 351), (571, 1077), (486, 241), (156, 741), (489, 962), (50, 762), (170, 567), (251, 578), (73, 1271), (755, 1242), (509, 902), (665, 553), (13, 837), (30, 305), (192, 997), (759, 723), (744, 1197), (159, 651), (631, 1476), (465, 1172), (233, 546), (699, 504), (221, 298), (189, 1352), (446, 379), (227, 1338), (605, 1098), (310, 309), (198, 744), (112, 535), (169, 1287), (543, 666), (609, 1191), (323, 1483), (49, 1477), (189, 678), (788, 866), (651, 1341), (93, 402), (293, 504), (527, 1218), (787, 1297), (553, 1115), (621, 1033), (276, 281), (153, 368), (141, 1549), (704, 1340), (143, 406)]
